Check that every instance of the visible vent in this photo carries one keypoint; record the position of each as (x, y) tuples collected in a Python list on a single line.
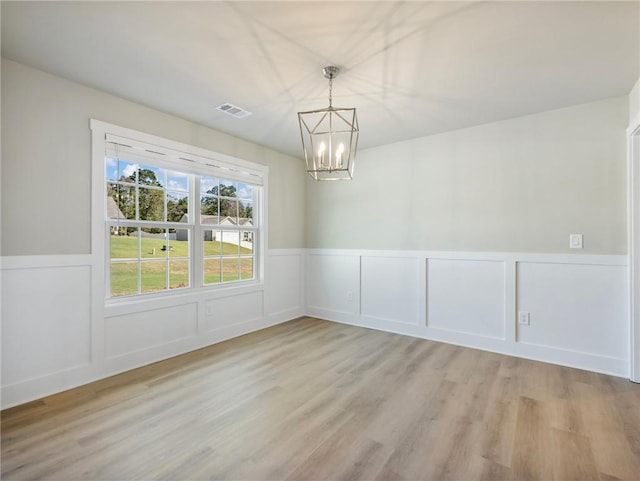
[(233, 110)]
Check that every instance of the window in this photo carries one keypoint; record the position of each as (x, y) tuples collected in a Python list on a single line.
[(148, 248), (226, 209), (175, 220)]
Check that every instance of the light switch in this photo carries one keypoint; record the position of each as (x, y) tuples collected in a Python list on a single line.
[(575, 241)]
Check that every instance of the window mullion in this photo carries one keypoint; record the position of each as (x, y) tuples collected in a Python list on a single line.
[(197, 255), (107, 243), (137, 198), (167, 262), (256, 246), (139, 260)]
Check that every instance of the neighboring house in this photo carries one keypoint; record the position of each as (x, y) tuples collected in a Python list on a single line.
[(113, 211), (217, 231)]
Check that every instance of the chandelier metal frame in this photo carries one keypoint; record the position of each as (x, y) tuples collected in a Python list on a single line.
[(330, 137)]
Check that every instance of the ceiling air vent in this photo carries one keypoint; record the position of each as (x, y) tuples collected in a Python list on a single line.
[(233, 110)]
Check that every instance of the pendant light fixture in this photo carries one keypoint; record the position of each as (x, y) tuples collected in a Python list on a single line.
[(330, 138)]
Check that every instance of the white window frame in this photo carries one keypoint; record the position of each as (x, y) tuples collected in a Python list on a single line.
[(188, 159)]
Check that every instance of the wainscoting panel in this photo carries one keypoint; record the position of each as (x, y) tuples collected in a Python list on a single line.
[(283, 292), (389, 289), (466, 296), (130, 333), (46, 321), (228, 311), (579, 308), (333, 284)]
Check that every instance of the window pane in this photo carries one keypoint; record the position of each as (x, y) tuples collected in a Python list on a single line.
[(177, 181), (178, 243), (124, 243), (228, 211), (124, 279), (154, 276), (227, 188), (246, 268), (150, 175), (230, 243), (212, 243), (125, 201), (151, 204), (178, 274), (245, 212), (177, 206), (212, 271), (111, 167), (230, 269), (246, 242), (245, 191), (127, 171), (209, 185), (152, 243), (113, 211), (209, 210)]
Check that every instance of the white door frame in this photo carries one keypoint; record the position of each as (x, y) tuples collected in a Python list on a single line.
[(633, 152)]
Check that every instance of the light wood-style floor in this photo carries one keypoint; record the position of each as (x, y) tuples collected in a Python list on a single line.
[(312, 400)]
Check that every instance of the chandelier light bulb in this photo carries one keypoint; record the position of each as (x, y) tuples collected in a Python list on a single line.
[(321, 150), (339, 152)]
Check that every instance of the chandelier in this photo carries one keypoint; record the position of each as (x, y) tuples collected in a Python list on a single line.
[(329, 138)]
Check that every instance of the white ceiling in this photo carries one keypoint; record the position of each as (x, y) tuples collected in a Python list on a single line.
[(410, 69)]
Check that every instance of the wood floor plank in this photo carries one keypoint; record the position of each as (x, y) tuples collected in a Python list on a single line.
[(531, 458), (364, 460), (495, 472), (313, 400), (614, 456), (573, 457)]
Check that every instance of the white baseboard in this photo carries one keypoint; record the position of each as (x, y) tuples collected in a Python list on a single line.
[(580, 360)]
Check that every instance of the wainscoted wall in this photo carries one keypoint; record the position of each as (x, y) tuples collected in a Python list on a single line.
[(577, 304), (56, 334)]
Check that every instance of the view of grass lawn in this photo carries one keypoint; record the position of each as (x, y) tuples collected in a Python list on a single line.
[(227, 267)]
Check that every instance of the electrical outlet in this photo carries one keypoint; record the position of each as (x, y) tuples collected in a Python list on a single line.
[(523, 318), (349, 296), (575, 241)]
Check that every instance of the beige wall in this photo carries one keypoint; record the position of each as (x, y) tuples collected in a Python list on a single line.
[(46, 162), (520, 185), (634, 103)]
